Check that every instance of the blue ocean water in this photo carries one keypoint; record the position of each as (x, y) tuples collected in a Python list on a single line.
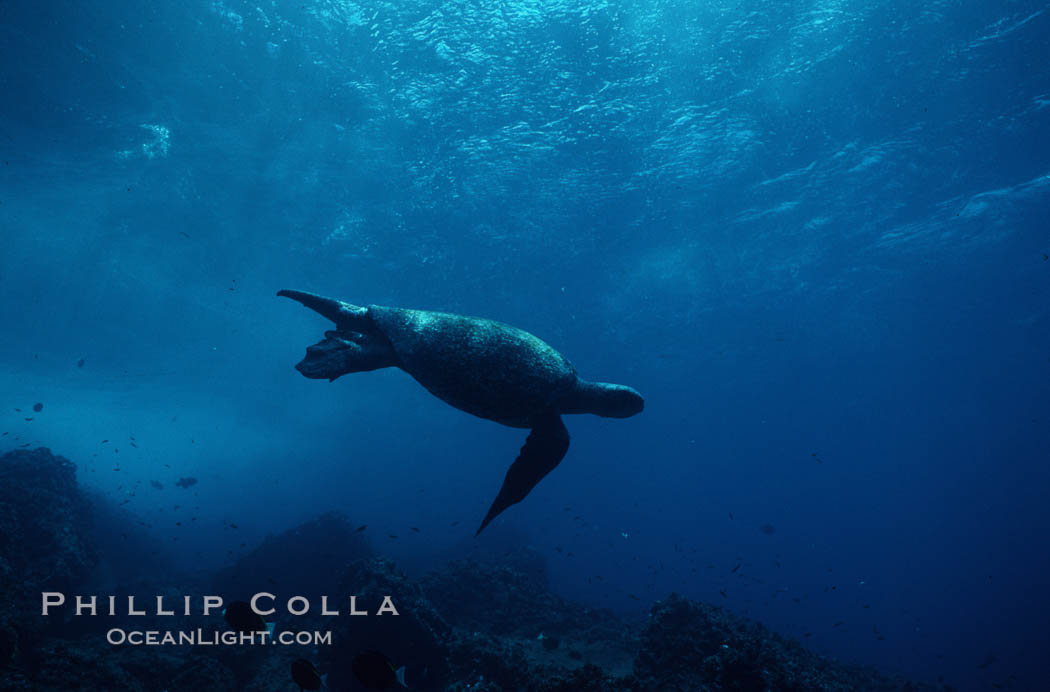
[(813, 235)]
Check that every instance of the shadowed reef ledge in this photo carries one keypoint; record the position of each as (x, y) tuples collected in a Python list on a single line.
[(467, 626)]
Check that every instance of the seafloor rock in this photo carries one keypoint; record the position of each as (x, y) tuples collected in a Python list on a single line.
[(694, 647), (307, 560), (417, 637), (589, 678), (479, 598), (500, 600), (475, 686), (43, 518), (8, 646), (43, 541), (496, 599), (204, 674), (153, 666), (274, 673), (490, 660), (469, 626), (76, 667)]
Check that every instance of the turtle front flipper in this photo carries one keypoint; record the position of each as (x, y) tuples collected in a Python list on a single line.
[(544, 449), (344, 315)]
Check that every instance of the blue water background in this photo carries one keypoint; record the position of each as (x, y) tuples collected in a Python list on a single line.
[(813, 234)]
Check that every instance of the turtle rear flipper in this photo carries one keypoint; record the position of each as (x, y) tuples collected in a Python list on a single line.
[(544, 449)]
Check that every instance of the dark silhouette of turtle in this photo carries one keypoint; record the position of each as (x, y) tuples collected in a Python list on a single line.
[(486, 368)]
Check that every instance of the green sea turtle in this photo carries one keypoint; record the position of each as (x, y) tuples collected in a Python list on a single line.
[(486, 368)]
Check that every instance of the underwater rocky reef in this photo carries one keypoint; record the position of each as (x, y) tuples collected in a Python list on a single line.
[(471, 625)]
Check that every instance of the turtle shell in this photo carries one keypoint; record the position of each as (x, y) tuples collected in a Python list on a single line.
[(489, 369)]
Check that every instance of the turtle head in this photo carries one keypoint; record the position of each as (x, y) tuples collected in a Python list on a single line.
[(356, 345), (343, 352), (329, 359), (604, 399)]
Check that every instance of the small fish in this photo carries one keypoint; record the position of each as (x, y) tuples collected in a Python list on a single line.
[(361, 528), (38, 407), (232, 525), (375, 671), (80, 363), (240, 617), (414, 529), (186, 482), (306, 676)]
